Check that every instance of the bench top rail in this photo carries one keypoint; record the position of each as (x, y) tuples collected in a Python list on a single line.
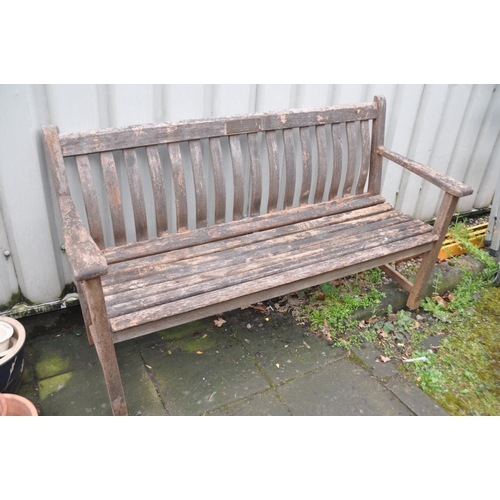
[(109, 139)]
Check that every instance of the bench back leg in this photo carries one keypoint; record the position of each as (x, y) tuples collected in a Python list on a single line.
[(103, 341), (443, 220)]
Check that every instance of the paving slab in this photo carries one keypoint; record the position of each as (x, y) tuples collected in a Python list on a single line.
[(200, 374), (74, 393), (415, 399), (283, 351), (61, 353), (340, 389), (370, 357), (264, 404)]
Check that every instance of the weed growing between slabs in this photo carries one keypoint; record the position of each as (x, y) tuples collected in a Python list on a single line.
[(449, 347), (330, 308)]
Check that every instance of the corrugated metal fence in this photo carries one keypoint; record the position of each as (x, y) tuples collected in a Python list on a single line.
[(453, 128)]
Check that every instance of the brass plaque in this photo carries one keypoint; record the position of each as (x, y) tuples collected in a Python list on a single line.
[(244, 126)]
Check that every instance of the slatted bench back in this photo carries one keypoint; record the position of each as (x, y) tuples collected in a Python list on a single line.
[(176, 176)]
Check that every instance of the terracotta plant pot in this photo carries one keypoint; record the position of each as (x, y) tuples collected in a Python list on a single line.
[(12, 358), (12, 405)]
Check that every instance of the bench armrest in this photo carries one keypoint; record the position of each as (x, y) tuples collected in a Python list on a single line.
[(86, 259), (444, 182)]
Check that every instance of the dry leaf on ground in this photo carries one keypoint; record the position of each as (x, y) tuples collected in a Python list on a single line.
[(383, 359), (219, 322)]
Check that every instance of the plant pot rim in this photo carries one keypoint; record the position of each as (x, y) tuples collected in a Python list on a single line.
[(8, 331), (22, 406), (19, 335)]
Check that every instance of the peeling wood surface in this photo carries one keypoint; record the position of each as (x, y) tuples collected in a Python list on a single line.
[(90, 200), (322, 163), (154, 284), (123, 272), (443, 181), (158, 184), (274, 280), (114, 197), (264, 294), (199, 183), (240, 227), (94, 141), (137, 194)]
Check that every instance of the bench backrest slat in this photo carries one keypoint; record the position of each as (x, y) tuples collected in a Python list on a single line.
[(351, 158), (219, 180), (136, 193), (161, 178), (289, 145), (238, 177), (322, 163), (337, 160), (114, 197), (378, 134), (175, 156), (90, 199), (274, 168), (365, 156), (199, 182), (158, 185), (305, 142), (255, 173)]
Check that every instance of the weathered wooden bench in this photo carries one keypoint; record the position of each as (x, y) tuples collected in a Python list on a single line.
[(228, 212)]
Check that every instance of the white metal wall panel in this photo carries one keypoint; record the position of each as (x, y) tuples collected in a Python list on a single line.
[(479, 163), (8, 281), (453, 128), (422, 143), (23, 196), (443, 146)]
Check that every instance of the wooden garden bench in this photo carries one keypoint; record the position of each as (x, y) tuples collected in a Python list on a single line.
[(227, 212)]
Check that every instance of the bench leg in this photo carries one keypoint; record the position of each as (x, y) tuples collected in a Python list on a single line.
[(103, 341), (443, 220), (85, 311)]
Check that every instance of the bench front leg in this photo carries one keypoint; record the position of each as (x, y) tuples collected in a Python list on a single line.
[(443, 220), (103, 341)]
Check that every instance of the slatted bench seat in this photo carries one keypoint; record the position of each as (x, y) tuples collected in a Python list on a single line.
[(185, 220)]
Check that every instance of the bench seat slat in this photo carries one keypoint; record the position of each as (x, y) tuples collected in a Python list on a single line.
[(376, 251), (192, 276), (157, 268), (243, 300), (246, 226)]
